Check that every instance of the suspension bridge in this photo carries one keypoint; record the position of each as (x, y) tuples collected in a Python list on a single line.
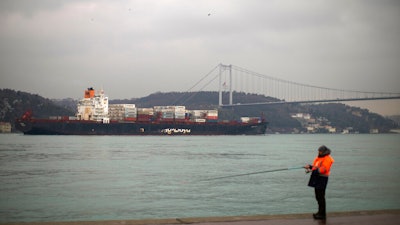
[(230, 79)]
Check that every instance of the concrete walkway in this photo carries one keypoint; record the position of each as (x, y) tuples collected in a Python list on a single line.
[(381, 217)]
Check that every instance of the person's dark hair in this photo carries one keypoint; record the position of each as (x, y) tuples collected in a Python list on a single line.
[(324, 150)]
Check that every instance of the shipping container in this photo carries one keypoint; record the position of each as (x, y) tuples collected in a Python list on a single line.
[(121, 111), (212, 112), (250, 119), (211, 120), (198, 113), (145, 111), (130, 118), (177, 120), (244, 119), (212, 117), (144, 117), (166, 119)]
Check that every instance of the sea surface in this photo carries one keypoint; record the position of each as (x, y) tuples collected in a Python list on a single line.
[(79, 178)]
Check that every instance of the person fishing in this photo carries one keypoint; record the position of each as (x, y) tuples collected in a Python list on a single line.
[(320, 171)]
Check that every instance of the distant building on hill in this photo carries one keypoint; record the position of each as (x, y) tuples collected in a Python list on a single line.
[(5, 127)]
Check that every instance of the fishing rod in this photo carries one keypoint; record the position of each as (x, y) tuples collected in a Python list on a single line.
[(258, 172)]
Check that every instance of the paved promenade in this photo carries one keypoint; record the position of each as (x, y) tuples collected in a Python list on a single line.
[(382, 217)]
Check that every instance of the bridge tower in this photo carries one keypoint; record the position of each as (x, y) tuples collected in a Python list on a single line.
[(222, 69)]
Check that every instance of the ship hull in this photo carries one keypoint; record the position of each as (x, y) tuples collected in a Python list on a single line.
[(48, 127)]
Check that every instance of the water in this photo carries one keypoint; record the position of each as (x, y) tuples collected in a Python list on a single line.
[(75, 178)]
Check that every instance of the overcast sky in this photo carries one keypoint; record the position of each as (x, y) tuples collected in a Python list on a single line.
[(134, 48)]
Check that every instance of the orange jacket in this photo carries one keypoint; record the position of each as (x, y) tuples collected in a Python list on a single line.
[(323, 165)]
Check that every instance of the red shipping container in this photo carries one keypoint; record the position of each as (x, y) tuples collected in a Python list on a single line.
[(130, 118)]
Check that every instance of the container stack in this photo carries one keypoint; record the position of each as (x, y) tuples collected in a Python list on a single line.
[(145, 114), (212, 116), (170, 113), (130, 112), (201, 116), (250, 119), (121, 112), (180, 113)]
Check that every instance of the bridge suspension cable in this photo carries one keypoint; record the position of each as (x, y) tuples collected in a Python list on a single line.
[(298, 91), (237, 79)]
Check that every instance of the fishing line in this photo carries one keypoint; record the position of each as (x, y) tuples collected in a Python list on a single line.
[(258, 172)]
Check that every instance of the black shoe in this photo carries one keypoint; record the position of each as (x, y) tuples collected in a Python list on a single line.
[(318, 216)]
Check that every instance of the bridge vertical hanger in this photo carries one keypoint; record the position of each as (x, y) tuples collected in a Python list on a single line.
[(230, 85), (220, 84)]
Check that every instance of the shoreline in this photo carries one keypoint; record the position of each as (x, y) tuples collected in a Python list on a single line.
[(276, 219)]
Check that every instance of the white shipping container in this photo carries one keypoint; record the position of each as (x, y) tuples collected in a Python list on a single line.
[(145, 111), (198, 113), (131, 112), (158, 108), (167, 111), (212, 113), (179, 117), (169, 108), (180, 109), (169, 115), (245, 119), (122, 106), (130, 106), (130, 115)]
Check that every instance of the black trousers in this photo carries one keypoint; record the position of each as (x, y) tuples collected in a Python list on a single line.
[(320, 196)]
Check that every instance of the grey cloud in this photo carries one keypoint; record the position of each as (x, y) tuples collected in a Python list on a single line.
[(29, 7), (169, 45)]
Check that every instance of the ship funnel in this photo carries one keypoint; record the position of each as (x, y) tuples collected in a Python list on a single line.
[(89, 93)]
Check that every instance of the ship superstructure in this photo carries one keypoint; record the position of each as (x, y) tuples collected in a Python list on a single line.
[(94, 106)]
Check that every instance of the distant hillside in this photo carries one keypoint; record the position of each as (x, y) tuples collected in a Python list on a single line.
[(14, 103), (343, 116), (280, 117)]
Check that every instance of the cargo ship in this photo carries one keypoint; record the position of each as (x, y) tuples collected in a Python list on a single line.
[(96, 117)]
